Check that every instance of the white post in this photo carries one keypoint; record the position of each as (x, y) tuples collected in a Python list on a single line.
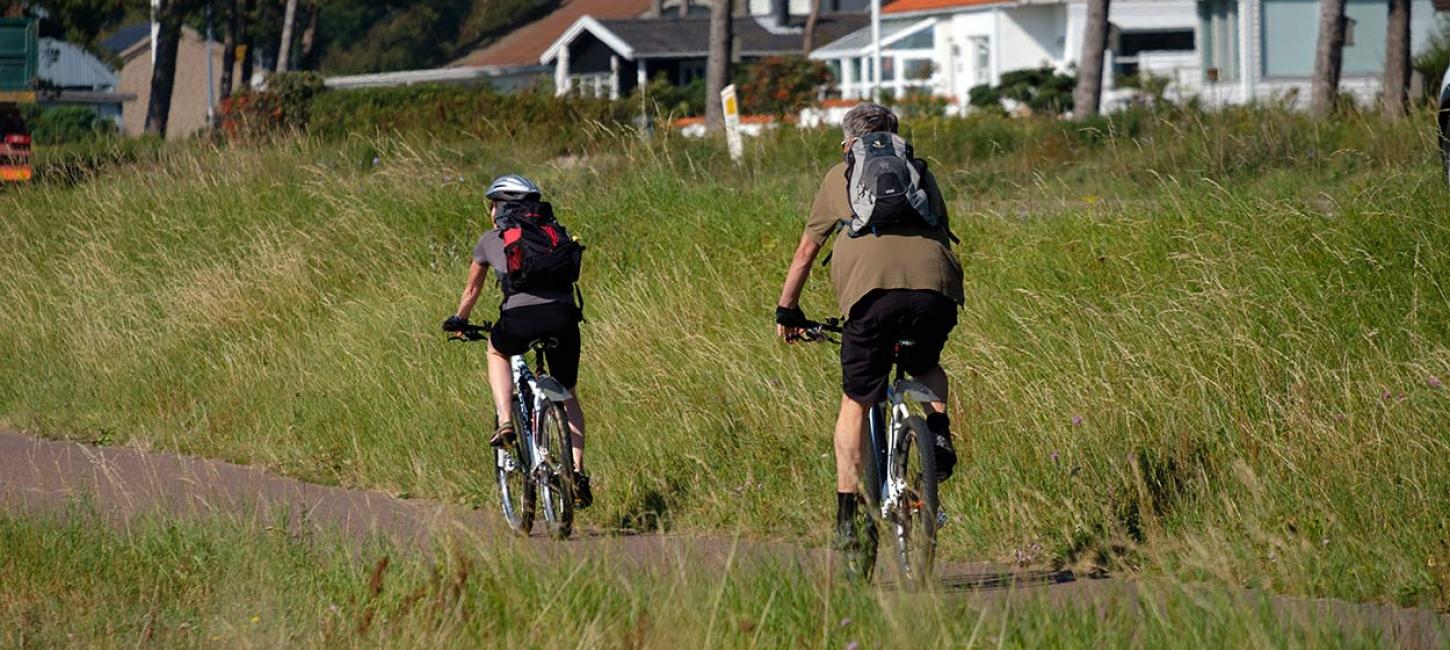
[(613, 77), (847, 78), (875, 51), (1247, 68), (561, 72), (640, 77), (210, 84)]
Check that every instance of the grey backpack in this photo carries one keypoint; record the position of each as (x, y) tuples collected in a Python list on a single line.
[(884, 186)]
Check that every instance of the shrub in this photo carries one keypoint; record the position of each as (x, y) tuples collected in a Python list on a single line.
[(56, 125), (285, 103), (781, 85)]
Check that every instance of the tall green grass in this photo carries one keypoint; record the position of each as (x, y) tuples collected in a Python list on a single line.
[(218, 583), (1209, 347)]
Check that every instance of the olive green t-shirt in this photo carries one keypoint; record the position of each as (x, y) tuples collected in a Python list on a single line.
[(905, 259)]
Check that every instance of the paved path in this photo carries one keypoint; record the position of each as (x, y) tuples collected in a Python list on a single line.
[(45, 476)]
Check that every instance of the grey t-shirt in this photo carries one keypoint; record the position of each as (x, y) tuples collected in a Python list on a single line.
[(489, 252)]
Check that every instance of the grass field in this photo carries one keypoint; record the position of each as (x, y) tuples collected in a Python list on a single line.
[(1203, 348), (216, 583)]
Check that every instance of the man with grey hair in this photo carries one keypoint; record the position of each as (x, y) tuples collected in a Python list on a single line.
[(897, 281)]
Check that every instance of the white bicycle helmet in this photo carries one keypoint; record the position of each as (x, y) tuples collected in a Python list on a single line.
[(513, 188)]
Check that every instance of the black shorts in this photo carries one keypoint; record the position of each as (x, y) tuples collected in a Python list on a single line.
[(518, 327), (877, 322)]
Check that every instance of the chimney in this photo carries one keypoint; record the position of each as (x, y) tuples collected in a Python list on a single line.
[(781, 10), (656, 8)]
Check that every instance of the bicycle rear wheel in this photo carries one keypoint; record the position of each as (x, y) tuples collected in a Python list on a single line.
[(556, 481), (914, 522), (515, 490)]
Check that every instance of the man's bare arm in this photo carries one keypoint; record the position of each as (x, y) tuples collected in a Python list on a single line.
[(800, 271), (476, 275)]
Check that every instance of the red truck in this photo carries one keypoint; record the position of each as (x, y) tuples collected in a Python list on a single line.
[(18, 59), (14, 146)]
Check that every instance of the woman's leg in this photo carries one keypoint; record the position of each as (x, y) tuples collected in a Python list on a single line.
[(501, 381)]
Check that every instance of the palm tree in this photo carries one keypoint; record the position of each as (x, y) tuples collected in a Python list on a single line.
[(1328, 58), (1397, 60), (717, 67), (1089, 91)]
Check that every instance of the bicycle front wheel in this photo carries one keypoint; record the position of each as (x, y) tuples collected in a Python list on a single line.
[(914, 520), (556, 476)]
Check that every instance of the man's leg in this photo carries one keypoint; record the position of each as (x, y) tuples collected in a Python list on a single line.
[(937, 421), (501, 380), (935, 380), (850, 432)]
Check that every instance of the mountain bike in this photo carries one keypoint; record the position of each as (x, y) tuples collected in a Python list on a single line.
[(901, 486), (540, 461)]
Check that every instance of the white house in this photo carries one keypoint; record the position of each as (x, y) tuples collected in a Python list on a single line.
[(948, 46), (1258, 50)]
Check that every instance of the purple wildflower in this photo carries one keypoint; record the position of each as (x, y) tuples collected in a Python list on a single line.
[(1077, 420), (845, 621), (1053, 456), (1435, 382), (853, 646)]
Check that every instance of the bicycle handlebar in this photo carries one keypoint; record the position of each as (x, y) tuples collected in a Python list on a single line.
[(819, 331), (470, 333)]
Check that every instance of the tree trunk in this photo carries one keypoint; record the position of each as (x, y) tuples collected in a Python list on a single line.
[(1397, 60), (808, 43), (249, 44), (309, 39), (1328, 58), (229, 48), (284, 50), (717, 67), (163, 73), (1089, 93)]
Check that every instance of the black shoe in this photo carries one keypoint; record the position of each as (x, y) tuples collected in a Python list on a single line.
[(856, 542), (946, 454), (583, 496)]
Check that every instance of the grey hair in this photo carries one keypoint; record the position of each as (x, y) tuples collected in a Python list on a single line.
[(868, 118)]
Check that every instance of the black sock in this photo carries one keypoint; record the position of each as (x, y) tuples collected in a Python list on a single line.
[(938, 423), (845, 508)]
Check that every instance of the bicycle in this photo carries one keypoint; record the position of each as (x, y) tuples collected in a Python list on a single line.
[(901, 493), (541, 459)]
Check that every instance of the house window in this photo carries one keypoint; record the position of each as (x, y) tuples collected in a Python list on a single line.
[(922, 40), (1132, 44), (981, 48), (591, 85), (1219, 24), (916, 69)]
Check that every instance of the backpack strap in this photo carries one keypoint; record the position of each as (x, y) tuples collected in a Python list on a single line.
[(579, 303)]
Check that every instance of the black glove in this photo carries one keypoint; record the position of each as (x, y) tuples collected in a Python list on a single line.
[(455, 323), (791, 317)]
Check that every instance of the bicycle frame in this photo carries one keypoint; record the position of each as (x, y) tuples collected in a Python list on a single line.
[(885, 436), (531, 393)]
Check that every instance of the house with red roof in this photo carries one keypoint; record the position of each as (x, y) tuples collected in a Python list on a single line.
[(946, 47)]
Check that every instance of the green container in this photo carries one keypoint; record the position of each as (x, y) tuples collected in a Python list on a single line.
[(18, 54)]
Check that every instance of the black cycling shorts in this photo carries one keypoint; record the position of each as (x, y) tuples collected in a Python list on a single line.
[(518, 327), (877, 322)]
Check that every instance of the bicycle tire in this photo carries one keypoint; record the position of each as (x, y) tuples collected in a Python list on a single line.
[(514, 484), (914, 526), (557, 483)]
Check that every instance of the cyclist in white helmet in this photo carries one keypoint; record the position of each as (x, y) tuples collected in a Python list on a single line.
[(537, 305)]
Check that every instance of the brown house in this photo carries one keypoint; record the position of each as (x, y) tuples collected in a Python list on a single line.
[(189, 94)]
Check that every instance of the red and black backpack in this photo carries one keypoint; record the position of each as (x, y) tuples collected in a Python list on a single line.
[(538, 251)]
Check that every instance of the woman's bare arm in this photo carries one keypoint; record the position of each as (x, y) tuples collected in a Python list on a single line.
[(476, 275)]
